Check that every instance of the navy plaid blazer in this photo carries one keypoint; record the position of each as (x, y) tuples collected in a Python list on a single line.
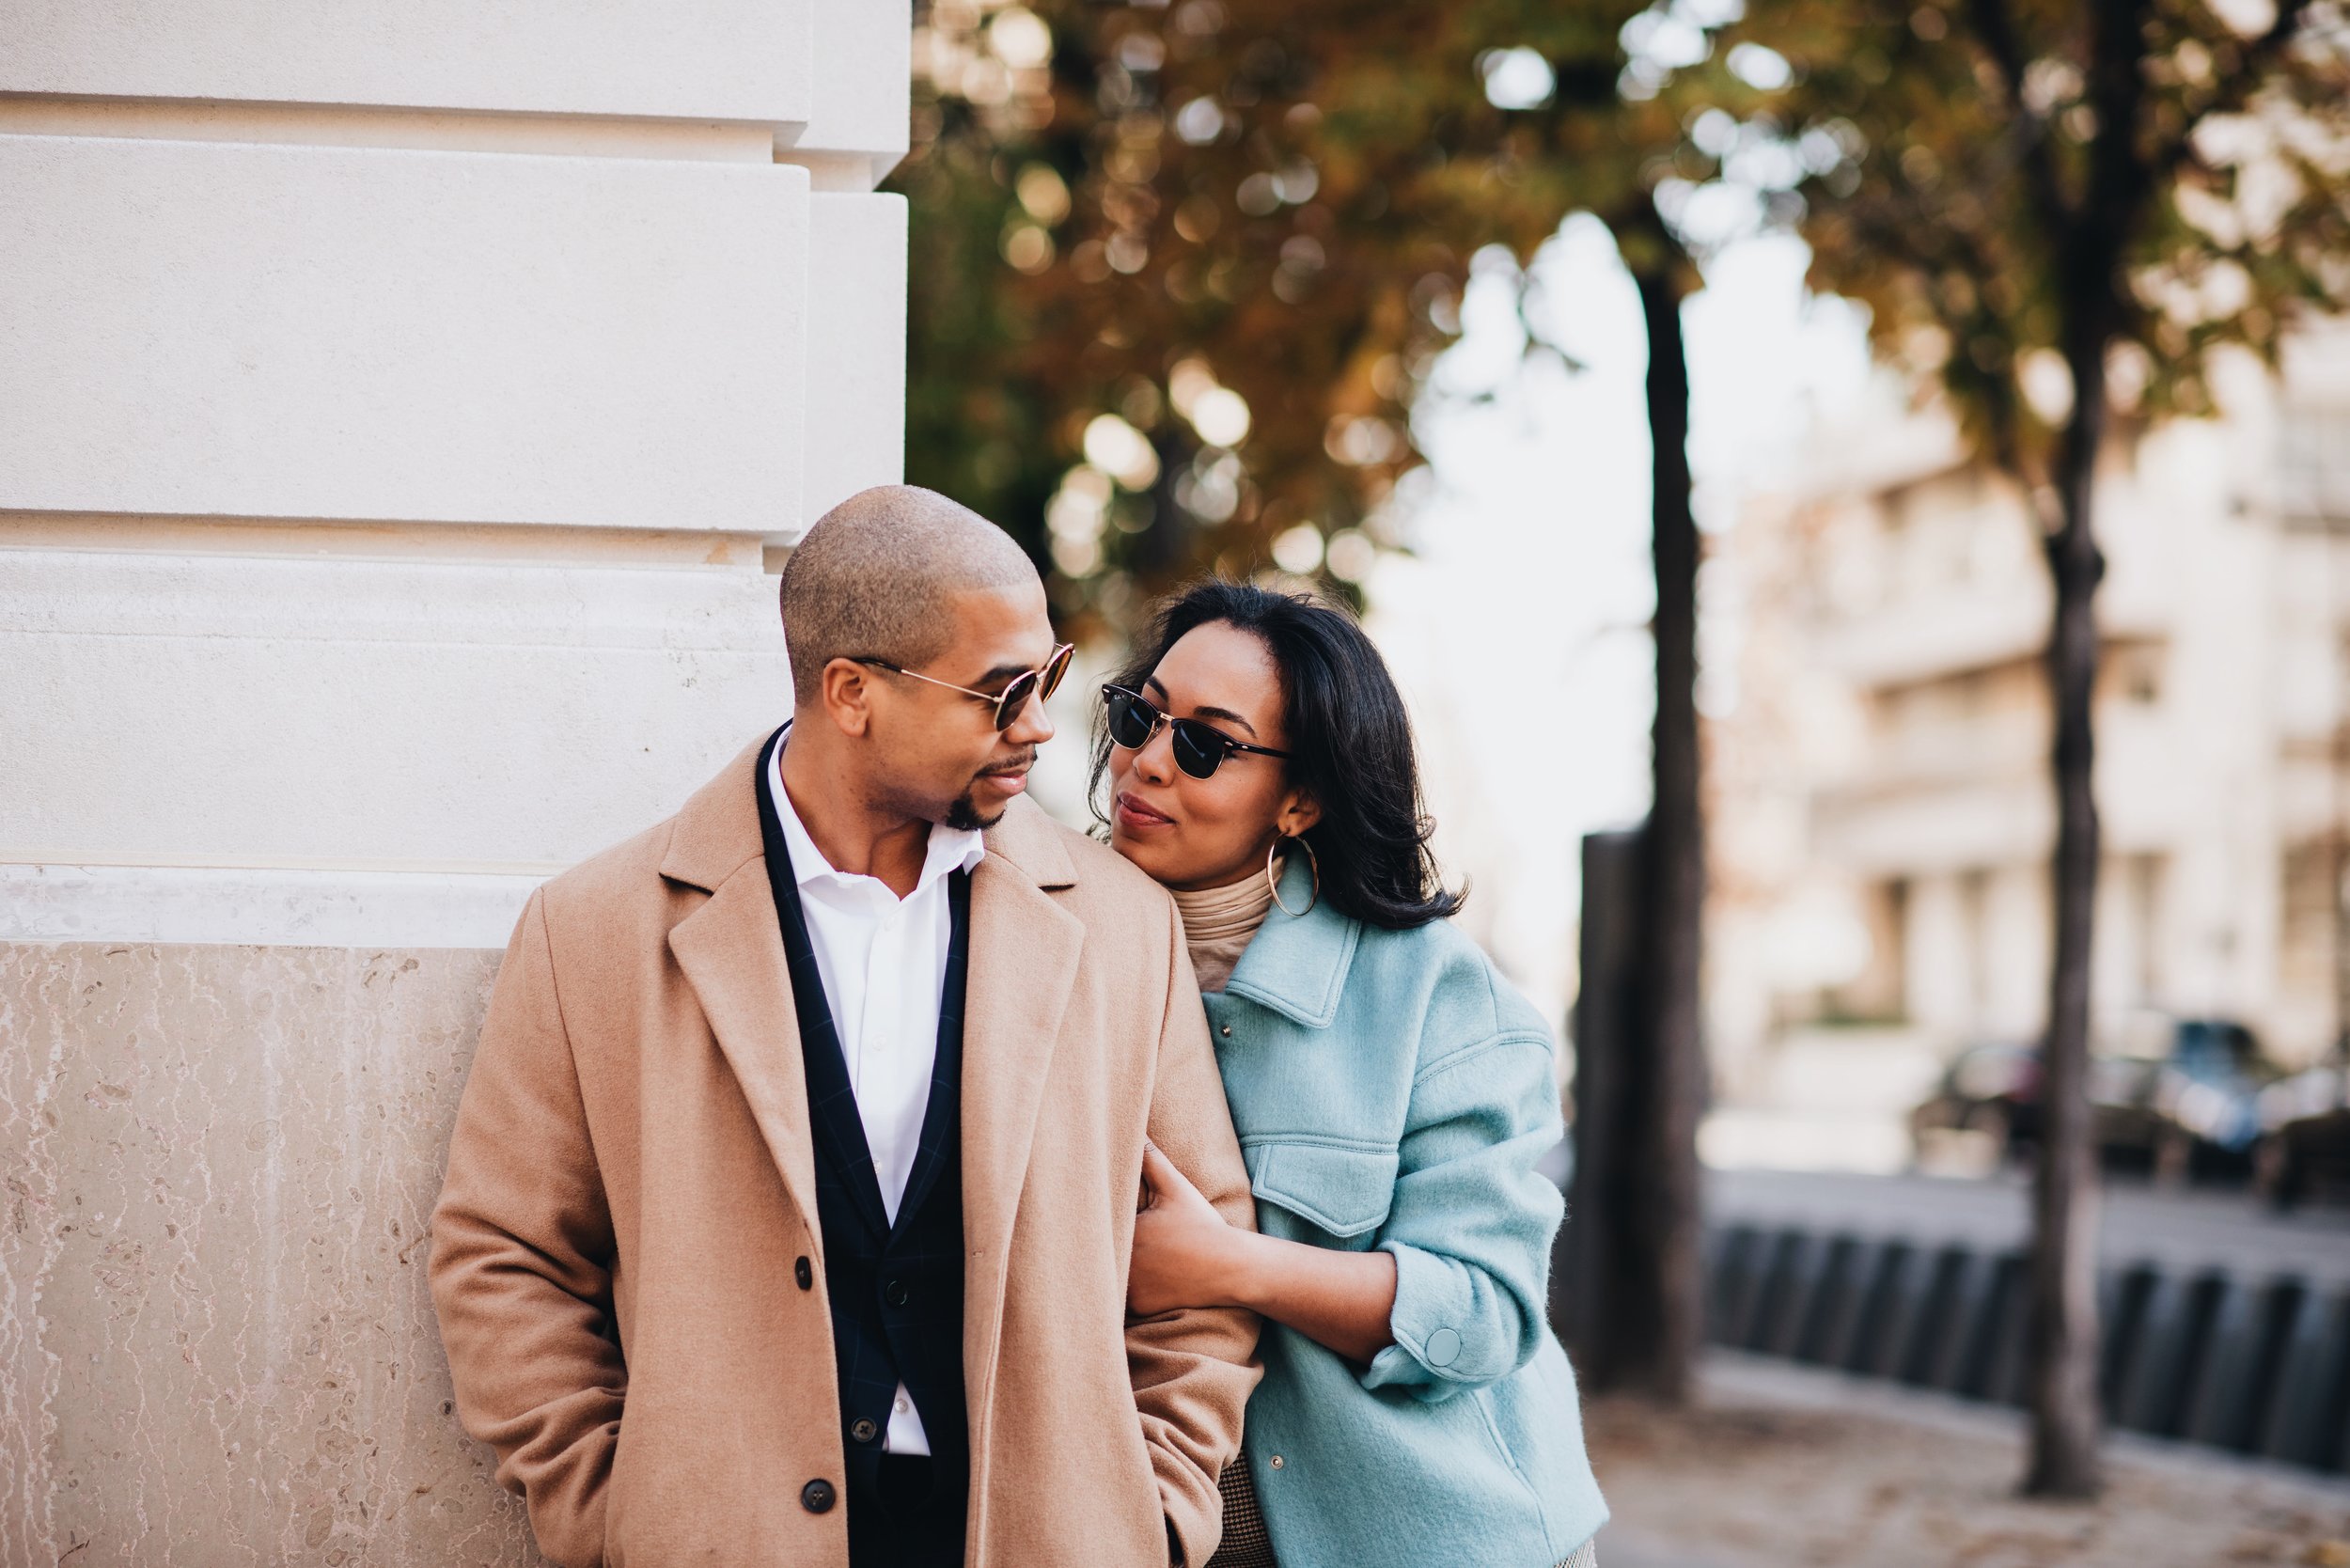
[(895, 1290)]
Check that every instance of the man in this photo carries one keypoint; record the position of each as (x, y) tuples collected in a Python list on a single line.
[(788, 1205)]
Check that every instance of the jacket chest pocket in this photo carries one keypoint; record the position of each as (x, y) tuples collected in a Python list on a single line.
[(1343, 1189)]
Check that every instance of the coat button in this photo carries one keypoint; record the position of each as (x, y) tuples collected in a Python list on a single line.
[(816, 1496), (804, 1274), (1443, 1348), (895, 1293), (862, 1430), (1276, 1461), (1226, 1032)]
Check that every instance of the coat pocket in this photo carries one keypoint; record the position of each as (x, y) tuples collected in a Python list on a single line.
[(1343, 1189)]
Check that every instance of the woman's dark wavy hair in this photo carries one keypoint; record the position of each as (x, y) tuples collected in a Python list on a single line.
[(1349, 738)]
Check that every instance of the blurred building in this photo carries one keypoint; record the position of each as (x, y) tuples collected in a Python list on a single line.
[(1879, 771), (400, 408)]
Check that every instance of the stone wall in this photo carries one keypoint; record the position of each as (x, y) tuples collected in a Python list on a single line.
[(216, 1346), (403, 408)]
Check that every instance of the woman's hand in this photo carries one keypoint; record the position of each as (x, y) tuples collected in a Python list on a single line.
[(1184, 1254)]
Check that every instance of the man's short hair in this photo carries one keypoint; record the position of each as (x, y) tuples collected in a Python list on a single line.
[(872, 577)]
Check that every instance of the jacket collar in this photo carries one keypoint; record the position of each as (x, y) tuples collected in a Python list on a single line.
[(1025, 954), (717, 833), (1297, 964)]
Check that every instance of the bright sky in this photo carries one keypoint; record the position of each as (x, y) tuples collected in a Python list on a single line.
[(1518, 628)]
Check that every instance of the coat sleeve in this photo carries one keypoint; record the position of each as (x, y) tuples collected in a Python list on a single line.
[(1194, 1369), (522, 1255), (1472, 1218)]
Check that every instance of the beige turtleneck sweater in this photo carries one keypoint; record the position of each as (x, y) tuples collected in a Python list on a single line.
[(1218, 922)]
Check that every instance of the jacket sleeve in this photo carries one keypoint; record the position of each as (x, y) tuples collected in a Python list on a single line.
[(1472, 1218), (521, 1268), (1194, 1369)]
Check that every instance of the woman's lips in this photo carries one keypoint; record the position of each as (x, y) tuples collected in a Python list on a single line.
[(1132, 814)]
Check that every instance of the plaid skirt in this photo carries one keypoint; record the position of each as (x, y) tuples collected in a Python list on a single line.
[(1246, 1544)]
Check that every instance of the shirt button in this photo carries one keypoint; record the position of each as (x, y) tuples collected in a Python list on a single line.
[(816, 1496), (804, 1273), (902, 1405), (862, 1430)]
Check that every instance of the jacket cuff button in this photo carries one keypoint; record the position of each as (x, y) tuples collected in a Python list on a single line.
[(816, 1496), (1443, 1348)]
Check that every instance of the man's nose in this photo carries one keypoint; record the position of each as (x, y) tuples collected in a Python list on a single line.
[(1034, 726)]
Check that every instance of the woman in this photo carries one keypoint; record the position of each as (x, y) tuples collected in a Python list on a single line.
[(1392, 1094)]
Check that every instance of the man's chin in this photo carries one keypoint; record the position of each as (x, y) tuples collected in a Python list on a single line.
[(964, 816)]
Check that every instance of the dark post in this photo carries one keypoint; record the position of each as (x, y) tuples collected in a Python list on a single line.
[(1619, 1273)]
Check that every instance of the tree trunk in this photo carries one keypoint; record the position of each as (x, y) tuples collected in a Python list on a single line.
[(2062, 1350), (1604, 1277), (1665, 1203)]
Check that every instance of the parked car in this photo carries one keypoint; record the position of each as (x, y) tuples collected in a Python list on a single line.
[(2304, 1148), (1991, 1090), (2206, 1097), (2175, 1097)]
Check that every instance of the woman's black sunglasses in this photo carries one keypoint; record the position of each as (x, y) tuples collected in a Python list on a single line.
[(1200, 748)]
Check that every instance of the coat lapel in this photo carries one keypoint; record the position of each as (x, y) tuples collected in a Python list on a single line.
[(732, 957), (1024, 955), (731, 953)]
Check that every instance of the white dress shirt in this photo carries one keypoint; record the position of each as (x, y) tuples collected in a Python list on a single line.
[(884, 962)]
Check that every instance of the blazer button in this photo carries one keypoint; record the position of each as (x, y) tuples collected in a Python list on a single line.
[(895, 1293), (1226, 1032), (804, 1274), (816, 1496), (862, 1430)]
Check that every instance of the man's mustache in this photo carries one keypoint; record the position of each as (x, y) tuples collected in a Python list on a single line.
[(998, 770)]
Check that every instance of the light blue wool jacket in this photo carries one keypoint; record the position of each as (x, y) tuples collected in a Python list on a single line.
[(1393, 1091)]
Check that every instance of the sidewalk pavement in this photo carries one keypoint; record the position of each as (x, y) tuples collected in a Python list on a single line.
[(1778, 1467)]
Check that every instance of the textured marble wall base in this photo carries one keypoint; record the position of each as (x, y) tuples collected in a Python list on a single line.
[(216, 1347)]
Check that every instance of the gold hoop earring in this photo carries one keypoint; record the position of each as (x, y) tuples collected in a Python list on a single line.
[(1273, 880)]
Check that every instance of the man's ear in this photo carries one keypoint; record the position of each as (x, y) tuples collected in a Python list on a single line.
[(1299, 812), (845, 693)]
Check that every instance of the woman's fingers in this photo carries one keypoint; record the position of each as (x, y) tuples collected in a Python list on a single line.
[(1171, 1188), (1165, 1182)]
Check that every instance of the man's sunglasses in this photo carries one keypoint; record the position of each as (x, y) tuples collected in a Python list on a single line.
[(1200, 748), (1013, 698)]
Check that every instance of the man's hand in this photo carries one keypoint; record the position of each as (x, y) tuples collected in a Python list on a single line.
[(1184, 1254)]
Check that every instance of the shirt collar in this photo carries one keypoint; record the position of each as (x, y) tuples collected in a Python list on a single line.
[(950, 849)]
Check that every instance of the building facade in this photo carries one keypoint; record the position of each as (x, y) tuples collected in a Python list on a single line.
[(1885, 815), (401, 408)]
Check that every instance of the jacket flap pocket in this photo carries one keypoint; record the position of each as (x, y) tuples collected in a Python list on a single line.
[(1346, 1191)]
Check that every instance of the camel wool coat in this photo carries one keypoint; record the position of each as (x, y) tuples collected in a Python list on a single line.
[(626, 1254)]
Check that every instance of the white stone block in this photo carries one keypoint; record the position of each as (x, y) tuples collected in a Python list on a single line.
[(476, 719), (861, 98), (712, 59), (856, 347), (224, 329)]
